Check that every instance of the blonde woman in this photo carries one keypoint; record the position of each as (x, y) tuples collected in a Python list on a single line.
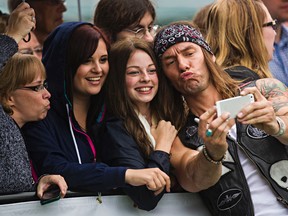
[(241, 34)]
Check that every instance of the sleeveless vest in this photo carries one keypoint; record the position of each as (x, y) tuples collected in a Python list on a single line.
[(231, 195)]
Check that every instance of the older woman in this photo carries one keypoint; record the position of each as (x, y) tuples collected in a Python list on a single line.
[(21, 84), (23, 98)]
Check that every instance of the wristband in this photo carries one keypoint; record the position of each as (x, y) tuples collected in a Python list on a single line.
[(208, 157), (282, 127)]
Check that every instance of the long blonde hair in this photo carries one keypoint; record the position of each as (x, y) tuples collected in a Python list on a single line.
[(234, 32), (19, 70)]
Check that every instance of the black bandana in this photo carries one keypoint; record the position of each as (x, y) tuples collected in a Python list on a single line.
[(177, 33)]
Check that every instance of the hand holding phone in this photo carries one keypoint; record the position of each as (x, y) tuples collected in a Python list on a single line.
[(233, 105), (53, 193)]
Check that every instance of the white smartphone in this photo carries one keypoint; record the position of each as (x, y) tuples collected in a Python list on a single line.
[(233, 105)]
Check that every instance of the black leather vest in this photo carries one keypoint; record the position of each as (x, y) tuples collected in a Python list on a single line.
[(231, 195)]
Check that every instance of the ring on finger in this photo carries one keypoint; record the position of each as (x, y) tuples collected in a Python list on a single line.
[(209, 133), (33, 19)]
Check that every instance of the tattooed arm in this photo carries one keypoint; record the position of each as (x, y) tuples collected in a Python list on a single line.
[(271, 98), (276, 92)]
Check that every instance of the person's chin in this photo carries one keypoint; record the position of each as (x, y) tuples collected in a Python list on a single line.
[(42, 116), (58, 22)]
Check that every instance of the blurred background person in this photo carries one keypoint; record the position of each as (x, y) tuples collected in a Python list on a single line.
[(241, 34), (279, 64), (200, 19), (32, 47), (126, 18), (19, 25), (3, 21), (49, 14)]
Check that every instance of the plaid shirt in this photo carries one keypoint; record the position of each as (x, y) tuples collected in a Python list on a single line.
[(279, 64)]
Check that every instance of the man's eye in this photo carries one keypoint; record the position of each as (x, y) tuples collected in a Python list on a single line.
[(38, 50), (170, 62), (189, 54), (26, 51)]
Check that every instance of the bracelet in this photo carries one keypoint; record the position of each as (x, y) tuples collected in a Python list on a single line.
[(208, 157), (282, 127)]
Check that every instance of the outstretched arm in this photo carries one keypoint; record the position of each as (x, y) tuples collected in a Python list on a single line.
[(195, 170)]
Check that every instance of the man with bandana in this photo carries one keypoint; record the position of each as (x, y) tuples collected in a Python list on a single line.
[(243, 159)]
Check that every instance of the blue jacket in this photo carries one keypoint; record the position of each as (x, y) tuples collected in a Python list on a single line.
[(52, 142)]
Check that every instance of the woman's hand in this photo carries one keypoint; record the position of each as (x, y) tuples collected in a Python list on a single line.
[(47, 180), (164, 135), (154, 179)]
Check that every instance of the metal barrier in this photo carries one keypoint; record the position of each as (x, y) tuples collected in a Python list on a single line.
[(77, 204)]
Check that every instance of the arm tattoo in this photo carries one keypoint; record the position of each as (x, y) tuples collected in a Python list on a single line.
[(275, 91)]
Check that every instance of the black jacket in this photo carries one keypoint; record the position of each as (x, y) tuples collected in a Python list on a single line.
[(230, 196), (120, 149)]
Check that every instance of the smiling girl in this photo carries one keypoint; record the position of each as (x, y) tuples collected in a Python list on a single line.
[(135, 134)]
